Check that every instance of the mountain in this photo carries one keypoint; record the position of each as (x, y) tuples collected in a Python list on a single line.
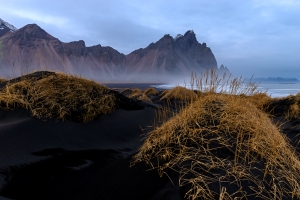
[(177, 56), (223, 70), (6, 27), (31, 48)]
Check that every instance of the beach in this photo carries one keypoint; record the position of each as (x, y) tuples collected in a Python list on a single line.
[(65, 159)]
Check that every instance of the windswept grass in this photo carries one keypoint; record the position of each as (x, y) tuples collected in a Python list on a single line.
[(135, 93), (260, 100), (126, 92), (144, 97), (59, 96), (288, 106), (179, 93), (293, 111), (2, 80), (139, 94), (224, 140), (150, 91)]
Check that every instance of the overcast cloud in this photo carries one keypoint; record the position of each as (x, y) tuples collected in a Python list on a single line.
[(260, 37)]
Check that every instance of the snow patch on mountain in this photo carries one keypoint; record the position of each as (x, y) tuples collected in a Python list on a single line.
[(178, 36), (4, 24)]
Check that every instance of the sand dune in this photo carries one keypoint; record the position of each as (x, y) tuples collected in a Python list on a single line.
[(119, 130), (55, 159)]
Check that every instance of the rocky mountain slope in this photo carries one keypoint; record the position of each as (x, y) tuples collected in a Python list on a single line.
[(31, 48), (177, 56)]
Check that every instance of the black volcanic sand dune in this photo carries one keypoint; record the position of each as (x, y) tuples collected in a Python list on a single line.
[(64, 145), (227, 146), (56, 95), (91, 174), (214, 146)]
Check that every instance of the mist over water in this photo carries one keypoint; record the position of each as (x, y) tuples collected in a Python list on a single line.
[(280, 89), (272, 89), (159, 81)]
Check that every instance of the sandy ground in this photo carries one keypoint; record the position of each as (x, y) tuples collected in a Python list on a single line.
[(54, 159), (76, 160)]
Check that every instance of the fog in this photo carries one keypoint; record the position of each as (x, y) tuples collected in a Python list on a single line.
[(10, 72)]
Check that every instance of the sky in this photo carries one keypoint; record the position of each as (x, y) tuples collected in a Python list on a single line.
[(250, 37)]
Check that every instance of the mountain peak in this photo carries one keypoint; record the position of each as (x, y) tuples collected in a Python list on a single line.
[(31, 32), (189, 32), (167, 36), (33, 29), (178, 36), (166, 42), (186, 41)]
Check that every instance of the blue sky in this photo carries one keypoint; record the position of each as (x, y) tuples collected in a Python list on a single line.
[(250, 37)]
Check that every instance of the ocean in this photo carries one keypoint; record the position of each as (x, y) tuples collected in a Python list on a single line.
[(274, 89), (280, 89)]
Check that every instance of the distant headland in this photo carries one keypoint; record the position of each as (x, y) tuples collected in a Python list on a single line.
[(276, 80)]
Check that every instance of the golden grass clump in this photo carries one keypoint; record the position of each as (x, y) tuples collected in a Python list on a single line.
[(288, 106), (2, 80), (223, 144), (144, 97), (150, 91), (59, 96), (260, 100), (224, 140), (135, 93), (126, 92), (293, 110), (180, 93)]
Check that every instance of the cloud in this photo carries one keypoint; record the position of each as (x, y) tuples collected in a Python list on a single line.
[(35, 15), (286, 3), (39, 17)]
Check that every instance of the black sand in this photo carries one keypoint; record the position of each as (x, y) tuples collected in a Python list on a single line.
[(53, 159)]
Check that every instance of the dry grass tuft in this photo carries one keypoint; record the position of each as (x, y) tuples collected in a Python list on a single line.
[(2, 80), (59, 96), (293, 110), (288, 106), (224, 139), (126, 92), (151, 91), (192, 143), (260, 100), (138, 94), (135, 93), (144, 97), (179, 93)]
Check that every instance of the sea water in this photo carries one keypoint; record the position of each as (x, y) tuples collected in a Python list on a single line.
[(280, 89), (274, 89)]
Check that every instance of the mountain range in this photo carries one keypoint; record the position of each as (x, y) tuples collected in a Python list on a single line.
[(31, 48)]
